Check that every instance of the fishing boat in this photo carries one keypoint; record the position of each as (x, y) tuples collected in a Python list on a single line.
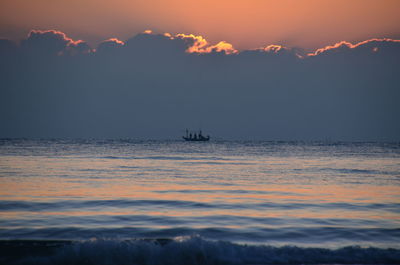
[(194, 137)]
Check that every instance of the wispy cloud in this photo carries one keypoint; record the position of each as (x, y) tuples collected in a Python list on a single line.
[(343, 45)]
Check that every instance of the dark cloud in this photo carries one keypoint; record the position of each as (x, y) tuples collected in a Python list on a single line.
[(155, 85), (78, 47), (364, 48), (52, 42), (49, 41), (109, 45), (7, 47)]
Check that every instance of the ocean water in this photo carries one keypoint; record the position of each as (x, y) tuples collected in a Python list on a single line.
[(220, 202)]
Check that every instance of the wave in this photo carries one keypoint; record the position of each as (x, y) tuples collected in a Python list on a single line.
[(360, 171), (183, 251), (35, 206), (349, 171), (167, 157), (303, 235)]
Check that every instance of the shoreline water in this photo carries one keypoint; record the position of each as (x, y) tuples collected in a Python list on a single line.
[(189, 250), (214, 203)]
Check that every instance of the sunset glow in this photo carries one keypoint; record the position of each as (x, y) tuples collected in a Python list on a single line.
[(115, 40), (309, 24), (199, 45), (199, 132), (33, 34), (349, 45)]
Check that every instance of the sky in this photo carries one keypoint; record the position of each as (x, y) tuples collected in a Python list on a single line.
[(252, 70), (307, 24)]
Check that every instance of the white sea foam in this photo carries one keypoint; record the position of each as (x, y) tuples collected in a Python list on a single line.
[(196, 250)]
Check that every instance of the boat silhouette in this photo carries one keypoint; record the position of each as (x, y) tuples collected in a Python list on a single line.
[(194, 137)]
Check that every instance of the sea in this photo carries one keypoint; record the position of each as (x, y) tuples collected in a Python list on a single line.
[(94, 201)]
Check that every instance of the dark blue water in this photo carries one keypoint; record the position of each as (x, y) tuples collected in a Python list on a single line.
[(224, 200)]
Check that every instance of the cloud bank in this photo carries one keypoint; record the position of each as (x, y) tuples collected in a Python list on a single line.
[(156, 85)]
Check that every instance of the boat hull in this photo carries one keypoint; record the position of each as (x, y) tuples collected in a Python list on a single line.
[(203, 139)]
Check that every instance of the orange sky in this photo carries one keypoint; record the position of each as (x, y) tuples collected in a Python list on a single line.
[(309, 24)]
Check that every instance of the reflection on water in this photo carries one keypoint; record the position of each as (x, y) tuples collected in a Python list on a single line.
[(255, 192)]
